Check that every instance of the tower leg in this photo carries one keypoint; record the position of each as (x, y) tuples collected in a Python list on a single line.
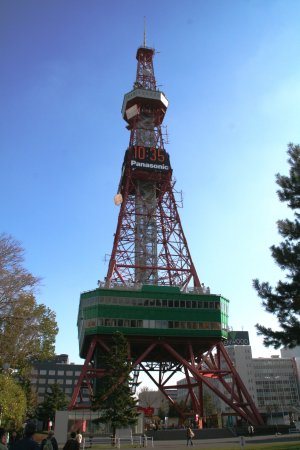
[(213, 369)]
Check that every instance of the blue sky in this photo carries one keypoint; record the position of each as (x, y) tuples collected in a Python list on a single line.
[(230, 70)]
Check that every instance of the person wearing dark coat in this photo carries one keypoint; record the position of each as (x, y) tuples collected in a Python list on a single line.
[(72, 443), (52, 439), (27, 443), (3, 439)]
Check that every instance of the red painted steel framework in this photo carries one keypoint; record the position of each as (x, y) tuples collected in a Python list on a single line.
[(150, 248), (148, 200)]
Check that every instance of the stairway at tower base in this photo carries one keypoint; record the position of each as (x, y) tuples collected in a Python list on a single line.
[(148, 311)]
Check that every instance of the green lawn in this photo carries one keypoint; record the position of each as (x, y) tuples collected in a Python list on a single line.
[(248, 446), (274, 446)]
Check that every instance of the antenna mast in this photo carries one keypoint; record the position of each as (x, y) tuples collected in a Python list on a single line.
[(144, 31)]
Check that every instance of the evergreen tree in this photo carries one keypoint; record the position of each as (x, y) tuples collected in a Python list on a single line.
[(55, 400), (113, 398), (284, 299)]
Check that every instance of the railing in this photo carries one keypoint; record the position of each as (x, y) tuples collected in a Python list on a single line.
[(110, 441), (202, 290), (142, 441)]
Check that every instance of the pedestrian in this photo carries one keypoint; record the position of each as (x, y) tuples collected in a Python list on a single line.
[(53, 440), (71, 443), (12, 439), (50, 443), (189, 436), (79, 437), (251, 430), (3, 439), (27, 443)]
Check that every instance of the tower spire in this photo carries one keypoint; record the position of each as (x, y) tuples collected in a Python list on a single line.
[(144, 31)]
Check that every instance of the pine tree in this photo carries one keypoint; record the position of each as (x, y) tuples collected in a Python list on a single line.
[(55, 400), (113, 398), (284, 300)]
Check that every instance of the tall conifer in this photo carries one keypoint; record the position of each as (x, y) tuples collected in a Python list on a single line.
[(113, 398), (283, 300)]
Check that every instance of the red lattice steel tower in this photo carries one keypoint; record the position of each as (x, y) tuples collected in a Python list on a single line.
[(152, 293), (149, 246)]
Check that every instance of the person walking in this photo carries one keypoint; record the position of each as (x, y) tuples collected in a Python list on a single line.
[(72, 443), (79, 437), (27, 443), (3, 439), (251, 430), (189, 436), (13, 437), (50, 443)]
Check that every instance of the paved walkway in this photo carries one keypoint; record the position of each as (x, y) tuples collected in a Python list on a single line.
[(233, 442)]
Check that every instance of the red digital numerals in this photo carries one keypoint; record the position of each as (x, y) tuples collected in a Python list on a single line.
[(151, 154)]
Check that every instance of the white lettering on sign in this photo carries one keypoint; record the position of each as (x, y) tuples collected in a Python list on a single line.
[(237, 342), (145, 165)]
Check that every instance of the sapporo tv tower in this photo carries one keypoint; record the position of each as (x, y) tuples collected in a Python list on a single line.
[(152, 293)]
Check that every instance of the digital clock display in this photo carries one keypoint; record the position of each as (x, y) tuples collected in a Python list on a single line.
[(149, 158)]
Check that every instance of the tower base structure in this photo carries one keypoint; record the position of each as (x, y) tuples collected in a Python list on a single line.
[(169, 332)]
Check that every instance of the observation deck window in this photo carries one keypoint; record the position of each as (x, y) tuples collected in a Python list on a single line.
[(158, 324)]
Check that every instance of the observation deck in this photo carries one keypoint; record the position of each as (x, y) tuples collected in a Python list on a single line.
[(139, 96), (145, 312)]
